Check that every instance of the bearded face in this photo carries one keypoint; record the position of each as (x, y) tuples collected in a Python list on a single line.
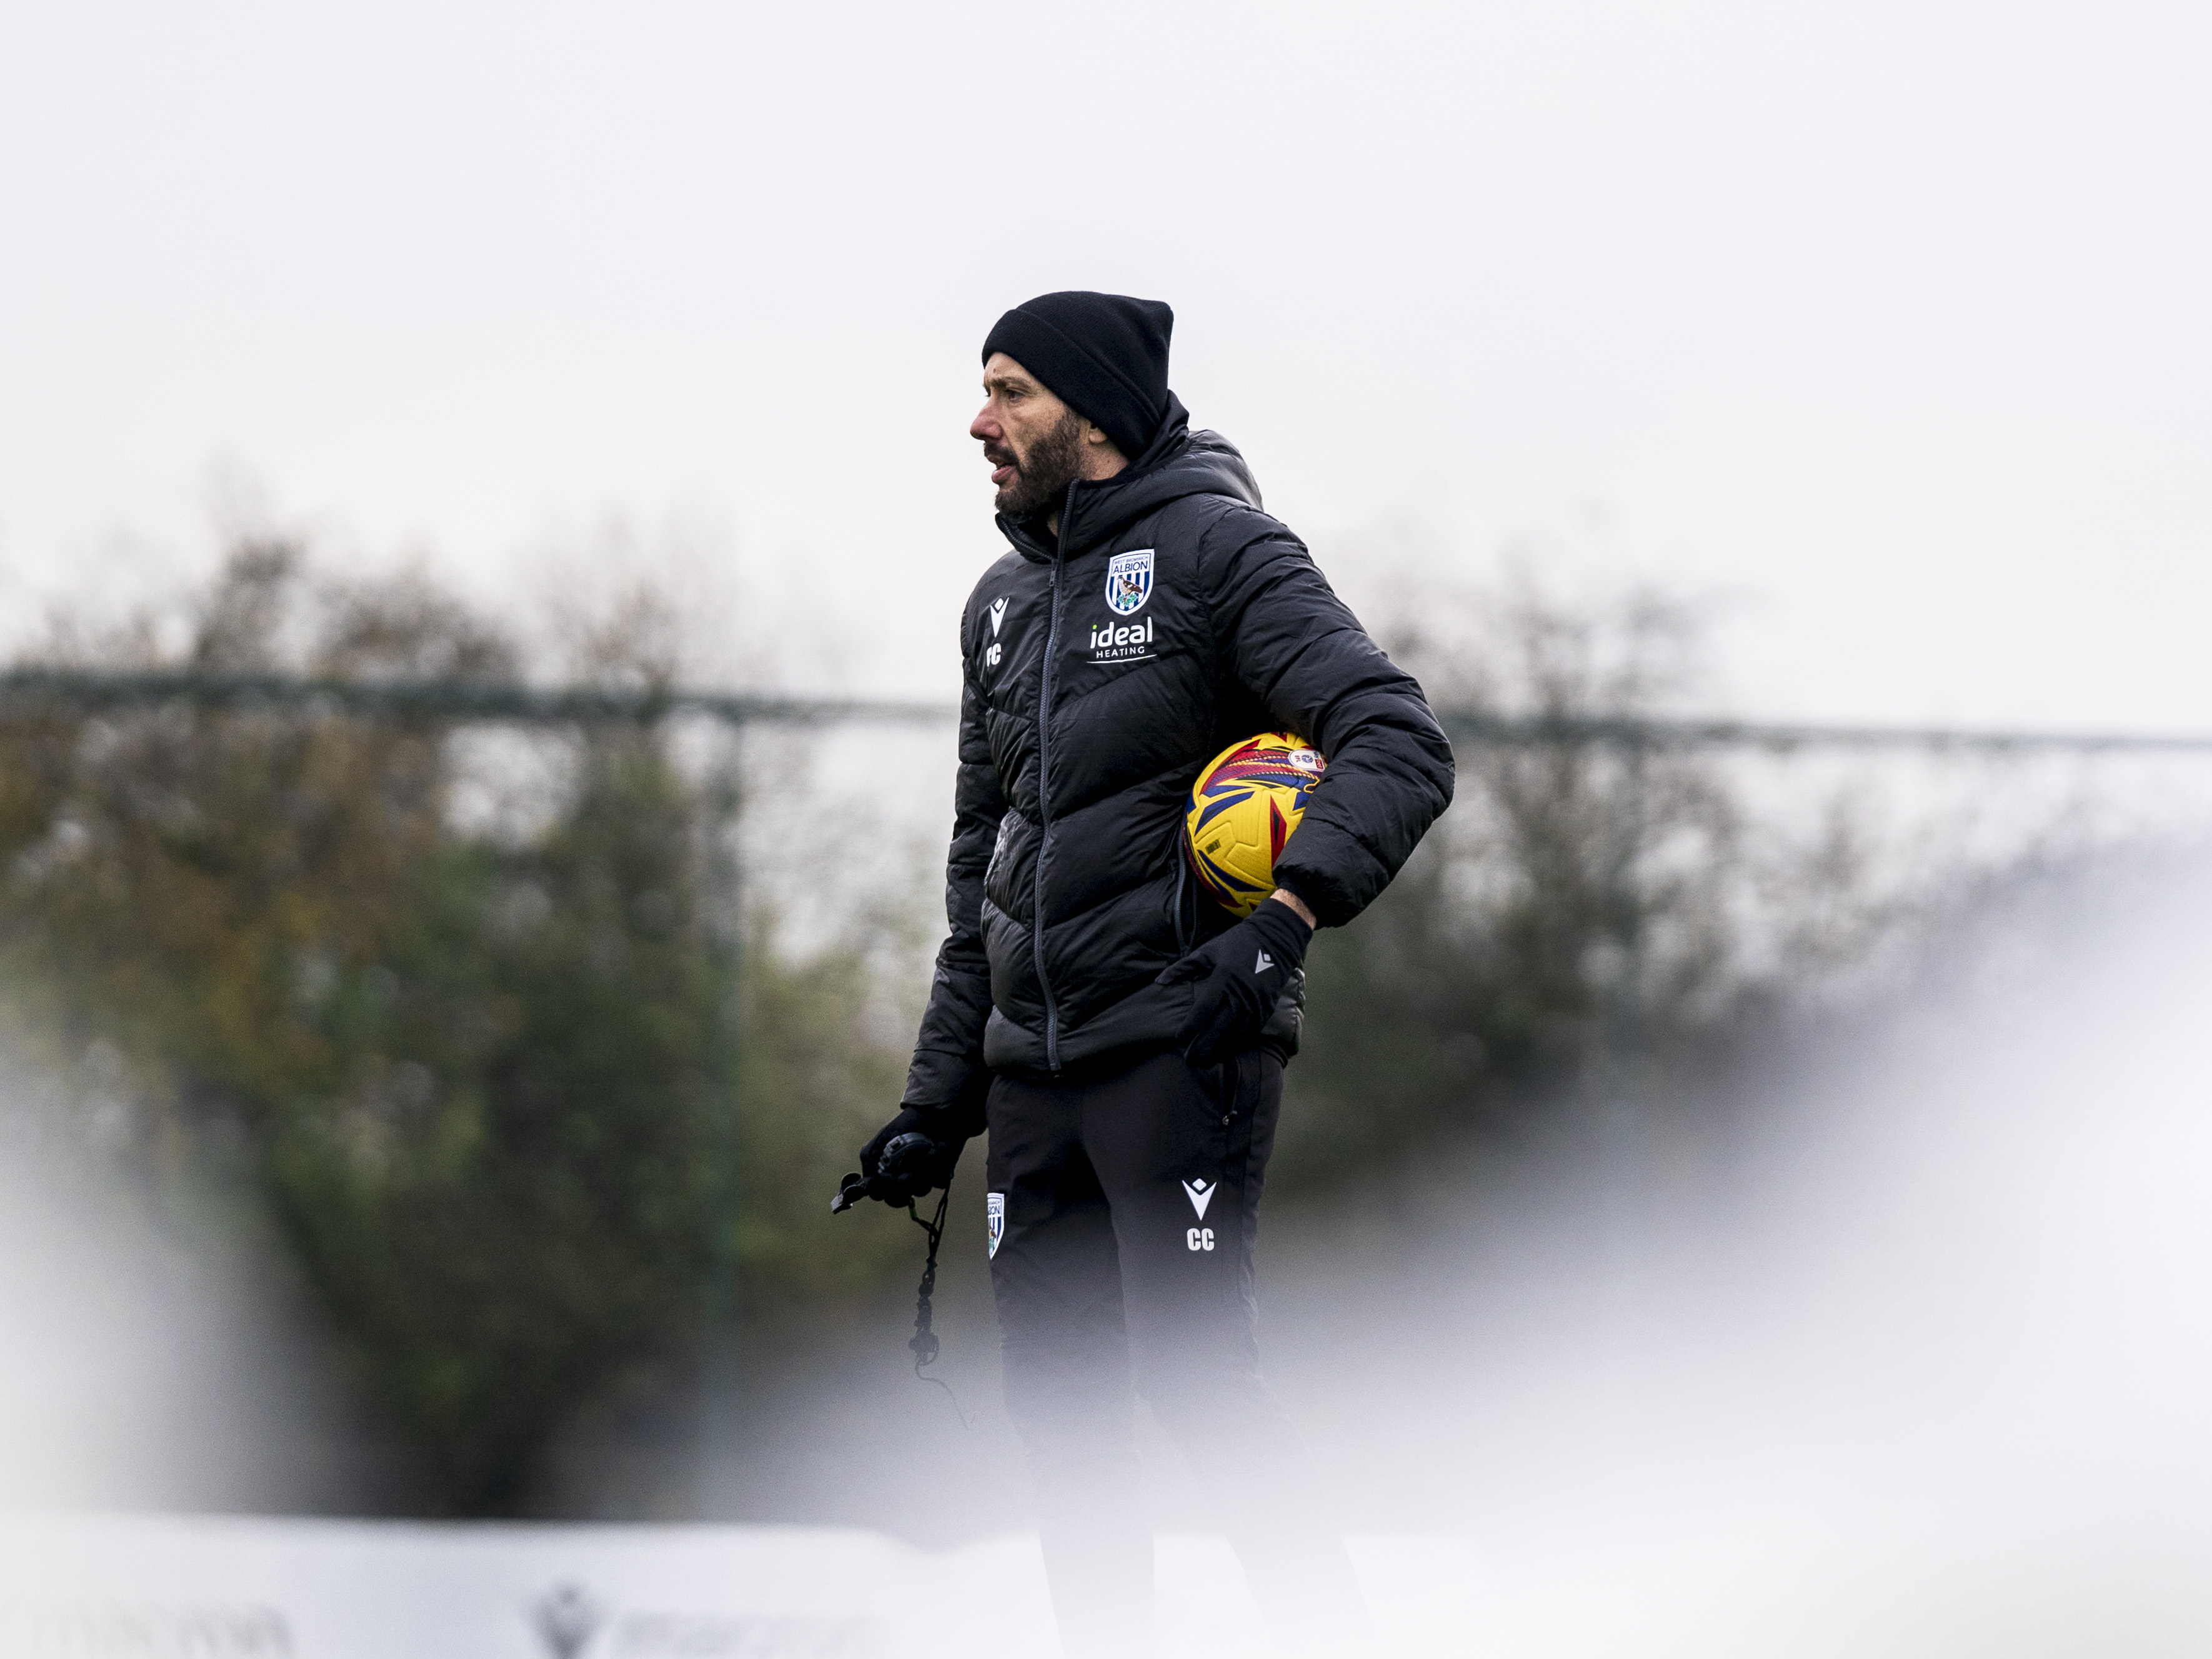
[(1042, 469)]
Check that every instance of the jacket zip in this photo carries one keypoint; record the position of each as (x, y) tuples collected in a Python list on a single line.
[(1044, 784)]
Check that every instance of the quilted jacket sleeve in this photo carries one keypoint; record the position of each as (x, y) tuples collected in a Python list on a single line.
[(948, 1072), (1282, 631)]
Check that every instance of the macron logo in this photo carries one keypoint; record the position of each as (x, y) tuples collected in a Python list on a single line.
[(1263, 963), (998, 614), (1200, 1194)]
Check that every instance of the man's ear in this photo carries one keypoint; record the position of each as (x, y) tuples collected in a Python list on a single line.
[(1102, 452)]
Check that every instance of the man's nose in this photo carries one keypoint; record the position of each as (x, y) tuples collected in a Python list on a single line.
[(984, 426)]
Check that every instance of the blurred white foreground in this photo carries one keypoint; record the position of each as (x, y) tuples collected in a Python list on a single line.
[(1932, 1380), (1935, 1385)]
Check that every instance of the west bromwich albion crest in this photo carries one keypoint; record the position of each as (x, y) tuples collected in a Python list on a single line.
[(994, 1212), (1129, 581)]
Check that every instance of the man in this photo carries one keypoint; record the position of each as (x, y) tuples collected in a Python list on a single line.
[(1121, 1038)]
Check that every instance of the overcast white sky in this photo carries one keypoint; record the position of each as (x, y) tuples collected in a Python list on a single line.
[(1890, 320)]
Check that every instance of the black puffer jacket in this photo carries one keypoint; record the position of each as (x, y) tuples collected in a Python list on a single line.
[(1096, 687)]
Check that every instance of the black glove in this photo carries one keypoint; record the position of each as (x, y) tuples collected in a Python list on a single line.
[(1239, 975), (911, 1155)]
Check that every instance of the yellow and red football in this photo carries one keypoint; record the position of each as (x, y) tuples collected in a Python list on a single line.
[(1243, 809)]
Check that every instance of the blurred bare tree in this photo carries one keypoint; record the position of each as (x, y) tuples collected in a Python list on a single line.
[(1591, 916)]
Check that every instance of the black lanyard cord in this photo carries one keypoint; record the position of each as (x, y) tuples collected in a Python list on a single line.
[(925, 1344)]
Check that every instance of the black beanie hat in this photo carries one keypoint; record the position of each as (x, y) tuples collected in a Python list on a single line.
[(1103, 354)]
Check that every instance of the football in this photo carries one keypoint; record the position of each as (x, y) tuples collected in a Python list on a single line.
[(1243, 809)]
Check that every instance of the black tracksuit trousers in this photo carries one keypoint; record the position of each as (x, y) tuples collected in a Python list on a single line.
[(1123, 1213)]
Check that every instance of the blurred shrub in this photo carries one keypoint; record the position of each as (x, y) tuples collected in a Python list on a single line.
[(516, 1100)]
